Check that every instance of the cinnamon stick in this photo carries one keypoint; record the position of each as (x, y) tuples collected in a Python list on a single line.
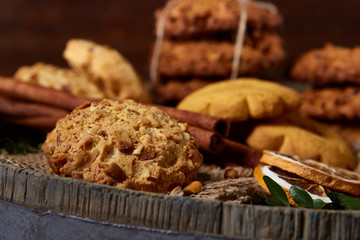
[(208, 141), (34, 93), (200, 120), (16, 108), (42, 122), (235, 152)]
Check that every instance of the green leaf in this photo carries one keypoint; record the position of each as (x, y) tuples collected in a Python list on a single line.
[(301, 197), (271, 201), (276, 191), (332, 206), (349, 203), (275, 202), (319, 204)]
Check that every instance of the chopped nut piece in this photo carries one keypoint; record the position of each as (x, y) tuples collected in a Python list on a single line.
[(177, 192), (138, 150), (186, 136), (94, 129), (79, 157), (58, 139), (154, 122), (123, 140), (116, 172), (183, 126), (93, 155), (192, 188), (231, 173), (148, 154)]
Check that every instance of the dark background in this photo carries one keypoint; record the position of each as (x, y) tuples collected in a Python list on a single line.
[(38, 30)]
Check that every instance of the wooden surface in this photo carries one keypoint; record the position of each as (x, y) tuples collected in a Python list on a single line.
[(109, 204), (37, 30), (44, 225)]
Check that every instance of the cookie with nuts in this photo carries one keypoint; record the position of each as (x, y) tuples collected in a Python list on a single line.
[(127, 145), (211, 58), (198, 17), (63, 79), (330, 64), (107, 68), (332, 103)]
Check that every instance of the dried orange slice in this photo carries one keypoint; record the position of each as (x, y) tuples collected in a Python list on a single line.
[(337, 179), (286, 180)]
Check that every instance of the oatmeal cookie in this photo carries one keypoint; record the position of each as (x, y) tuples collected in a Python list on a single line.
[(331, 64), (242, 99), (107, 68), (50, 76), (127, 145), (214, 58), (303, 137), (195, 17), (332, 103)]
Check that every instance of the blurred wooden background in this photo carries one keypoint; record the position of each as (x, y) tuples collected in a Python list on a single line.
[(37, 30)]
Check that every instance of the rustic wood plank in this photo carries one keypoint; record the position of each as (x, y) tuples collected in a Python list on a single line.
[(100, 202), (289, 223), (104, 203)]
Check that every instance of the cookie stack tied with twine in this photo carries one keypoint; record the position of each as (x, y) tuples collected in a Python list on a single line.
[(334, 97), (199, 41), (262, 116)]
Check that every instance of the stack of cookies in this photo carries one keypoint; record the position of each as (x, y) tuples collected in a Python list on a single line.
[(263, 116), (334, 97), (198, 42)]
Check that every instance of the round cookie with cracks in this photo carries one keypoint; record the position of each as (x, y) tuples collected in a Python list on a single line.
[(293, 134), (127, 145)]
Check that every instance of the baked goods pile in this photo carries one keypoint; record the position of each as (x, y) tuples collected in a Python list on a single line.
[(334, 97), (335, 74), (265, 113), (119, 142), (198, 43)]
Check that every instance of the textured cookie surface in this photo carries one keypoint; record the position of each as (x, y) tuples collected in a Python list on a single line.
[(242, 99), (107, 68), (214, 58), (194, 17), (125, 145), (303, 137), (331, 64), (332, 103), (50, 76)]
